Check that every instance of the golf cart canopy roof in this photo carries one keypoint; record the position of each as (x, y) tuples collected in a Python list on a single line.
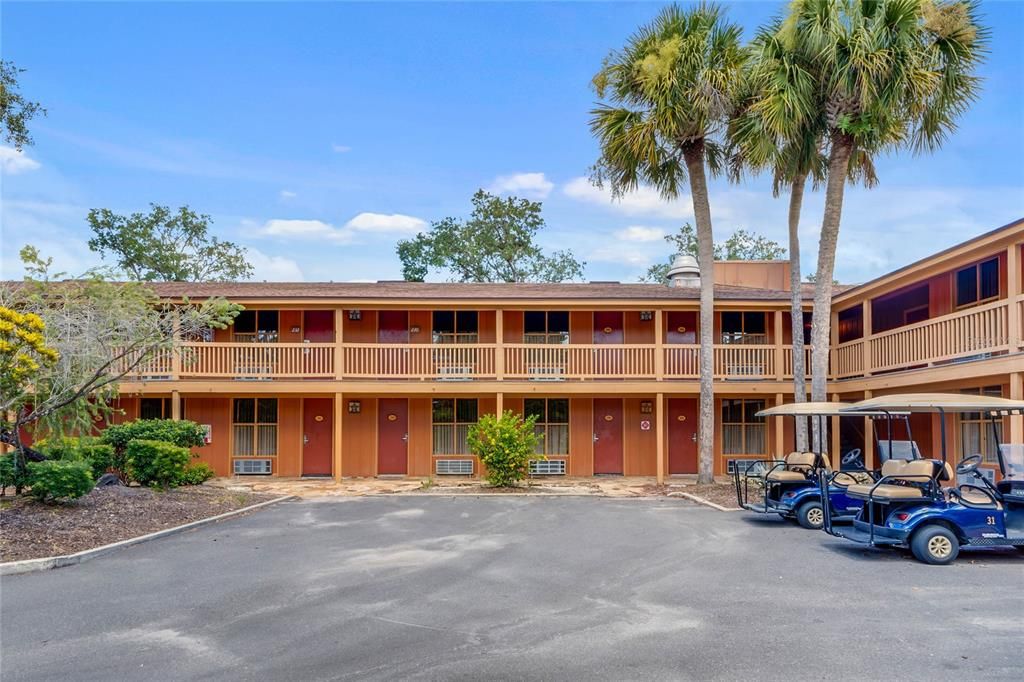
[(936, 402), (814, 410)]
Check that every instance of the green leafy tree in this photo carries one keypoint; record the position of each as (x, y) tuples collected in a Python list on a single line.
[(497, 243), (505, 446), (100, 330), (15, 110), (881, 75), (742, 245), (166, 245), (669, 94), (59, 481)]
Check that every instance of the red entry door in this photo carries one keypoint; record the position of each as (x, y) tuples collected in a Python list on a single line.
[(393, 326), (317, 436), (608, 326), (682, 432), (318, 326), (607, 435), (681, 326), (393, 436)]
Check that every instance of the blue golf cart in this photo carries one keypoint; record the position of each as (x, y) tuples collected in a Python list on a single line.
[(919, 504), (792, 487)]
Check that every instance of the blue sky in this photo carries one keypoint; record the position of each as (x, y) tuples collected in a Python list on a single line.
[(317, 135)]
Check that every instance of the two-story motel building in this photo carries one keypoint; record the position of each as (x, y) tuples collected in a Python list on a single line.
[(349, 380)]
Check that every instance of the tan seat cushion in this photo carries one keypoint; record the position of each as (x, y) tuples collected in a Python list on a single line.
[(973, 496), (890, 492), (783, 475)]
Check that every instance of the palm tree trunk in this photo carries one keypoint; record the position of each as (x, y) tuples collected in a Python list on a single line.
[(796, 310), (838, 168), (694, 155)]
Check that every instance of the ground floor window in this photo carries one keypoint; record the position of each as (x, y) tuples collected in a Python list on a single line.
[(976, 437), (254, 423), (743, 433), (157, 408), (552, 424), (451, 419)]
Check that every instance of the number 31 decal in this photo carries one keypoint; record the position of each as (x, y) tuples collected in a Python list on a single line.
[(990, 520)]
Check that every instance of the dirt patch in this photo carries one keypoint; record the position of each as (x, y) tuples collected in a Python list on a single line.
[(30, 529), (723, 494)]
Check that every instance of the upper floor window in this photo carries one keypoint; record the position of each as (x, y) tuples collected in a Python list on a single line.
[(540, 326), (455, 326), (977, 283), (744, 327), (260, 326)]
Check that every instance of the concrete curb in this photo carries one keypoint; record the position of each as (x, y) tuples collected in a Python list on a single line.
[(46, 563), (709, 503)]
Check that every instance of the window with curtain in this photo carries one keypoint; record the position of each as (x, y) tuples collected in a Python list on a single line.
[(552, 424), (977, 283), (976, 436), (254, 423), (451, 419), (743, 433), (541, 326)]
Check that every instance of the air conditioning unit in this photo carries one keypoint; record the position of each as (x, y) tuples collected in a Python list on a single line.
[(744, 369), (455, 372), (249, 467), (548, 467), (545, 372), (453, 467), (253, 373)]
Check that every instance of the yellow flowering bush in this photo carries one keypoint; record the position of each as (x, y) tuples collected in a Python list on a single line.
[(23, 349)]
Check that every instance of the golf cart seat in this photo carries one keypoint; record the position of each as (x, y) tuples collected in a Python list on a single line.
[(977, 497), (908, 479), (797, 465)]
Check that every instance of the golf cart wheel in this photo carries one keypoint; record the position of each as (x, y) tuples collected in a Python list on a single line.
[(811, 515), (936, 545)]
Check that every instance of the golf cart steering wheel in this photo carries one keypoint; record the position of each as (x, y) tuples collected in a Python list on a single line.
[(968, 465), (852, 456)]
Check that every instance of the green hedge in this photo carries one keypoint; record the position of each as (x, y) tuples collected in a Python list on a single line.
[(54, 480), (97, 454), (184, 434), (9, 478), (197, 473), (156, 463)]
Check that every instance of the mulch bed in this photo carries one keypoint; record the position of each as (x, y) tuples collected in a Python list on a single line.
[(30, 529)]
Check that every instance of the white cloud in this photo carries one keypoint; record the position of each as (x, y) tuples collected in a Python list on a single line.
[(13, 162), (273, 268), (644, 200), (386, 223), (531, 185), (616, 254), (341, 148), (368, 223), (639, 233), (287, 194)]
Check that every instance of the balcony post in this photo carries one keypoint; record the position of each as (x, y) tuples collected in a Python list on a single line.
[(499, 347), (339, 414), (866, 335), (175, 406), (1017, 421), (780, 348), (837, 458), (339, 316), (780, 432), (176, 347), (659, 432), (659, 351), (499, 404), (1013, 290), (833, 336)]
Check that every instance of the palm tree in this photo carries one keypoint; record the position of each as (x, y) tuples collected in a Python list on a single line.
[(883, 75), (669, 92)]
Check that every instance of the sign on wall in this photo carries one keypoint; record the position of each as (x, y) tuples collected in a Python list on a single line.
[(645, 424), (207, 433)]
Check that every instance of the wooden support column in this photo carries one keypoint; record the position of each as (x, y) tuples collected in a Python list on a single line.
[(339, 316), (499, 350), (780, 432), (1013, 290), (869, 438), (175, 406), (659, 345), (1017, 421), (499, 404), (780, 349), (866, 335), (833, 335), (659, 432), (834, 434), (339, 414)]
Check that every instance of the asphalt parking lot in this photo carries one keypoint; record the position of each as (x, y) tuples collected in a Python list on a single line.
[(512, 588)]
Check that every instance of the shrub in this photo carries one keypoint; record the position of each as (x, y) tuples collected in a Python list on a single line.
[(9, 476), (98, 455), (183, 433), (156, 463), (54, 480), (197, 473), (505, 445)]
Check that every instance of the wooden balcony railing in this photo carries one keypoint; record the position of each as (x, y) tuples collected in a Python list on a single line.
[(973, 333)]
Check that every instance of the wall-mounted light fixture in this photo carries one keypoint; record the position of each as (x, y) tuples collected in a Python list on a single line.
[(646, 407), (355, 407), (355, 314), (646, 315)]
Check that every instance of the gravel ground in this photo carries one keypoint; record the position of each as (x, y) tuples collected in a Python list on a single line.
[(30, 529)]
